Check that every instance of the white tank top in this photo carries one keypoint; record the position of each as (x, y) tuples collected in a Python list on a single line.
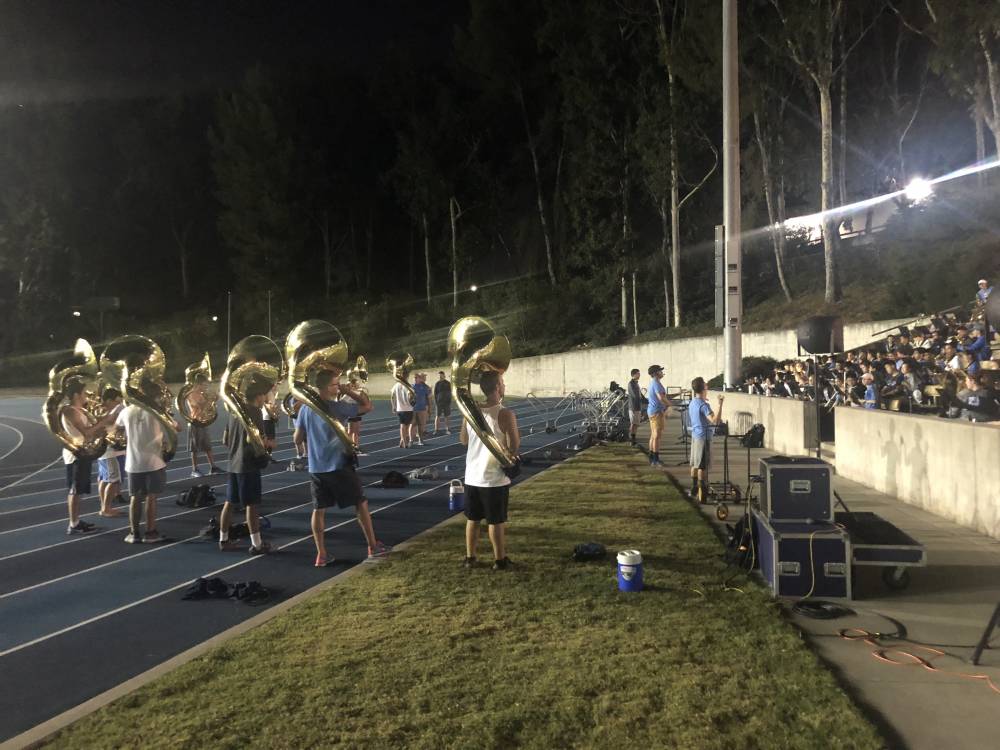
[(482, 469), (67, 455)]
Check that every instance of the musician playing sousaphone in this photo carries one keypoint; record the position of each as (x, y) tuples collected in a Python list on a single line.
[(489, 431)]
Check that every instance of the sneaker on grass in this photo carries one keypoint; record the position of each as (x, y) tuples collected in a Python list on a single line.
[(504, 564)]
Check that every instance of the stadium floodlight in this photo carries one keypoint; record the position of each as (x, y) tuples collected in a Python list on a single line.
[(473, 288), (77, 313), (215, 318), (918, 189)]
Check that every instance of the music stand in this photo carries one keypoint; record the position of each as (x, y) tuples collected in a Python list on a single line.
[(984, 641)]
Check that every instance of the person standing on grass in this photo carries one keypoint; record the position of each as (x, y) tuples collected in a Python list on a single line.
[(399, 399), (656, 411), (703, 423), (244, 474), (199, 438), (487, 487), (78, 424), (110, 466), (147, 471), (442, 403), (634, 405), (333, 478), (422, 405)]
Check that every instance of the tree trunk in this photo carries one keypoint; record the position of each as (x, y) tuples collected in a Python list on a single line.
[(831, 233), (538, 187), (842, 167), (675, 224), (776, 228), (413, 270), (635, 309), (452, 204), (624, 305), (427, 255), (184, 271), (993, 86), (977, 120), (180, 239), (664, 246)]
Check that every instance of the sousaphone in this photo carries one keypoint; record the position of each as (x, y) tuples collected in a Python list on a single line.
[(81, 365)]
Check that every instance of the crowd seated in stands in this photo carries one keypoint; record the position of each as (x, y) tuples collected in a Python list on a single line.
[(951, 367)]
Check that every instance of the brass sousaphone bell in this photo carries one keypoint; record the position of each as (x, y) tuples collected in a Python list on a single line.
[(136, 365), (254, 363), (475, 347), (312, 347), (196, 374), (80, 365), (399, 365)]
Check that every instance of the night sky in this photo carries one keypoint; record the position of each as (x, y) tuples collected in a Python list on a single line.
[(89, 49)]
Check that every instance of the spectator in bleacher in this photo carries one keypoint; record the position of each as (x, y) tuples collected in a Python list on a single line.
[(968, 363), (984, 291), (973, 342), (977, 403), (870, 400), (948, 359), (855, 391), (634, 405), (890, 343)]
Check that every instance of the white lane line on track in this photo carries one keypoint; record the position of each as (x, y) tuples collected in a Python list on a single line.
[(195, 510), (104, 615), (176, 468), (20, 440), (29, 476)]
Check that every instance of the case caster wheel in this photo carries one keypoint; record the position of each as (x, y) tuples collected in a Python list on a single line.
[(896, 579), (722, 511)]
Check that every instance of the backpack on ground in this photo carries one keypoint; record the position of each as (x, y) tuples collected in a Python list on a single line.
[(754, 437), (199, 496), (394, 480)]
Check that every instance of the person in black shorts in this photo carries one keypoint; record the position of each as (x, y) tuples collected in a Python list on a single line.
[(244, 475), (334, 481), (442, 403)]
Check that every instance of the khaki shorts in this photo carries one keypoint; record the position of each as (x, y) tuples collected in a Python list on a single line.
[(656, 421)]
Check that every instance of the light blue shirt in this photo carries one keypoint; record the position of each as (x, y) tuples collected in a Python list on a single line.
[(698, 412), (423, 392), (326, 452), (655, 406)]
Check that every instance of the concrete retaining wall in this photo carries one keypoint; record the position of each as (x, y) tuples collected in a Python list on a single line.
[(789, 424), (948, 467), (684, 360)]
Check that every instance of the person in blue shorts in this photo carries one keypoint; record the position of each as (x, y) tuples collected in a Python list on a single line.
[(334, 480), (703, 423), (656, 411)]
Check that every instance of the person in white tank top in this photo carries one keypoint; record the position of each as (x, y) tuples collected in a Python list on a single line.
[(80, 426), (487, 487)]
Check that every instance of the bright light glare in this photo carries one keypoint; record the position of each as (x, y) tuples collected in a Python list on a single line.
[(77, 313), (473, 288), (215, 318), (918, 189)]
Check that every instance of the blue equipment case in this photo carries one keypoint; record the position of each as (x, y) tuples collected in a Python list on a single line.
[(796, 488), (795, 557)]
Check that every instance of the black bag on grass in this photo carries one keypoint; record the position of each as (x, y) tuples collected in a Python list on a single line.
[(589, 551)]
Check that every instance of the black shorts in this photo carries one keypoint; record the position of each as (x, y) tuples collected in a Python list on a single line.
[(244, 488), (405, 417), (353, 419), (270, 428), (78, 477), (486, 502), (341, 488), (443, 408)]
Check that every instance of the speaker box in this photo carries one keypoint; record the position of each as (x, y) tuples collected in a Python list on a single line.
[(813, 334)]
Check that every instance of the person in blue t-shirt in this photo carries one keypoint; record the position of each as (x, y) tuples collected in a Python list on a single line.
[(656, 411), (422, 405), (984, 291), (703, 422), (871, 392), (331, 467)]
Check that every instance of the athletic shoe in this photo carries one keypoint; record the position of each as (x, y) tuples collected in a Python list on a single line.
[(469, 562), (196, 474), (216, 470), (152, 537), (133, 539), (322, 561), (82, 527), (378, 551), (263, 549), (229, 544), (447, 432), (504, 564), (420, 442)]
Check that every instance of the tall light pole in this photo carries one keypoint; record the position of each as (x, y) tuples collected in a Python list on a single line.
[(733, 331)]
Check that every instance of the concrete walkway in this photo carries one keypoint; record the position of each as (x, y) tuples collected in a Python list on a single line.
[(947, 606)]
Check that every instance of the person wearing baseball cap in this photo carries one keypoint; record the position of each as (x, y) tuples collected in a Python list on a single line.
[(656, 411), (983, 292)]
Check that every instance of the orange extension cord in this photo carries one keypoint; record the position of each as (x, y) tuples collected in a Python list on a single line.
[(909, 659)]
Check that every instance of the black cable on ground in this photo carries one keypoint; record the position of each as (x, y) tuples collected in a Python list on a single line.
[(818, 609)]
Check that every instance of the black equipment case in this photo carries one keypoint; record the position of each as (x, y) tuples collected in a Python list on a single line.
[(803, 559), (795, 488)]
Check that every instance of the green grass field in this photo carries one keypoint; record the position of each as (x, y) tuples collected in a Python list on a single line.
[(420, 653)]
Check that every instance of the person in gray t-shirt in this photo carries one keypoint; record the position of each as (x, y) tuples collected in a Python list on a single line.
[(978, 404), (635, 407)]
